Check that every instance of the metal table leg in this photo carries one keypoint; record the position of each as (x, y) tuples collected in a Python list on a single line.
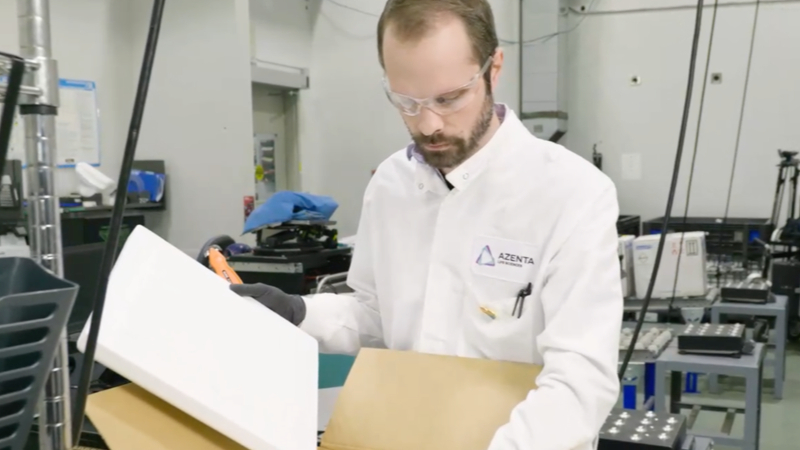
[(676, 392), (752, 414), (781, 324), (660, 382), (713, 379)]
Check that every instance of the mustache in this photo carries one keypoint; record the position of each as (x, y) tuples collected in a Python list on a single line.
[(435, 139)]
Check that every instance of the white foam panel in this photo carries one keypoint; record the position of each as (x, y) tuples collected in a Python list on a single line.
[(174, 327)]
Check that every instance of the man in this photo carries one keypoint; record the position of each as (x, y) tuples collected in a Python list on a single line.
[(475, 212)]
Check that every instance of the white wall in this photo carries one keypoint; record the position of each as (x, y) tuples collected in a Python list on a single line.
[(544, 63), (199, 116), (100, 52), (282, 31), (346, 125), (605, 51)]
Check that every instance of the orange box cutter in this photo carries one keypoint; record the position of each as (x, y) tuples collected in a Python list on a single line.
[(219, 264)]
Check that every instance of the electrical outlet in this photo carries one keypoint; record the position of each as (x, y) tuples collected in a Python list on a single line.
[(636, 80), (716, 78)]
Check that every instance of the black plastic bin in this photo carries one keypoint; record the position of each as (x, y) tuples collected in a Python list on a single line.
[(34, 306)]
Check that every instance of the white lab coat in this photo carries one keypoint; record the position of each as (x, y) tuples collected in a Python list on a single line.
[(421, 273)]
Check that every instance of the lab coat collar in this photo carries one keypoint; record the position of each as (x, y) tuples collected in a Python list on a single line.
[(429, 178)]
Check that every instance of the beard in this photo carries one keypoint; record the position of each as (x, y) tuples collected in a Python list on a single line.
[(459, 149)]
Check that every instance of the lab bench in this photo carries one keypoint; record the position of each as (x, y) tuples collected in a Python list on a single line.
[(776, 310), (750, 367)]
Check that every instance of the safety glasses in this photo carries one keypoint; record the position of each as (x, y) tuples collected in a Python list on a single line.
[(442, 104)]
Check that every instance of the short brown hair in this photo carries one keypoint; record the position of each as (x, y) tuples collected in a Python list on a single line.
[(413, 18)]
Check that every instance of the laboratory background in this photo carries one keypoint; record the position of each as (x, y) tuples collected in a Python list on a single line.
[(253, 105)]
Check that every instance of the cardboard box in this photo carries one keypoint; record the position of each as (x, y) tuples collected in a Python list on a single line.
[(391, 401), (213, 371), (626, 263), (690, 275)]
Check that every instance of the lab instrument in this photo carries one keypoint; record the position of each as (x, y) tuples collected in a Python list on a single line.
[(754, 289), (712, 339)]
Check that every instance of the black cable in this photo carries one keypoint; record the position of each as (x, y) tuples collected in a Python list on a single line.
[(738, 140), (109, 255), (732, 4), (544, 38), (354, 9), (13, 87), (694, 158), (547, 37), (672, 188), (739, 129)]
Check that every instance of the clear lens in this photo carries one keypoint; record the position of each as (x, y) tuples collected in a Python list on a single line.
[(451, 102), (406, 105), (444, 104)]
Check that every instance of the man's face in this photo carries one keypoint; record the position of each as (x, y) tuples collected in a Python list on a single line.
[(436, 67)]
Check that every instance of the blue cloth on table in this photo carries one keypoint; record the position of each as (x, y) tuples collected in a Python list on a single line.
[(285, 206)]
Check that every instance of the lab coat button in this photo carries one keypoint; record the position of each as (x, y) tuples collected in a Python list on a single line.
[(421, 186), (466, 176)]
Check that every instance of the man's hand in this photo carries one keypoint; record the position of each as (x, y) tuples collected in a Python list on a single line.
[(290, 307)]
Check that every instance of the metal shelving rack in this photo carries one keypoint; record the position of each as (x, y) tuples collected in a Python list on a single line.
[(38, 106)]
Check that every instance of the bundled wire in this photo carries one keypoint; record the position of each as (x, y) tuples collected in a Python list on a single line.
[(671, 196), (112, 243)]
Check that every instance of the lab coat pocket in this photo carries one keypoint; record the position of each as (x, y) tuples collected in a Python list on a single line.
[(494, 331)]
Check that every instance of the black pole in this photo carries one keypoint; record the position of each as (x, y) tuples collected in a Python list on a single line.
[(15, 76), (673, 185), (109, 255)]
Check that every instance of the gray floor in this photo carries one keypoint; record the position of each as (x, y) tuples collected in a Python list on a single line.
[(780, 419)]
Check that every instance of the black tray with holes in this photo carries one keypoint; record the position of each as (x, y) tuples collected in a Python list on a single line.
[(626, 429), (712, 339), (34, 307)]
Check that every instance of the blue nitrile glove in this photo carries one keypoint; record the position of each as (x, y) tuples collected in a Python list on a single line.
[(290, 307)]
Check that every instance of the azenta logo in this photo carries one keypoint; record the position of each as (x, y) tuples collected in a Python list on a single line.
[(485, 258), (505, 259)]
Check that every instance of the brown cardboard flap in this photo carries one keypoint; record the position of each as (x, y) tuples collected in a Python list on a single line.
[(405, 400), (130, 418)]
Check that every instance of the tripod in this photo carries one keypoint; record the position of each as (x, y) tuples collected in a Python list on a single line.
[(786, 169)]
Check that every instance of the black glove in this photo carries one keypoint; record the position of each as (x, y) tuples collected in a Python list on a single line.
[(290, 307)]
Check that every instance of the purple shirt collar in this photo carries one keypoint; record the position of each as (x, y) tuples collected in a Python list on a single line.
[(411, 150)]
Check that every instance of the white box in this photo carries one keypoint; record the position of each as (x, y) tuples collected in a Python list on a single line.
[(14, 246), (626, 262), (691, 275)]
